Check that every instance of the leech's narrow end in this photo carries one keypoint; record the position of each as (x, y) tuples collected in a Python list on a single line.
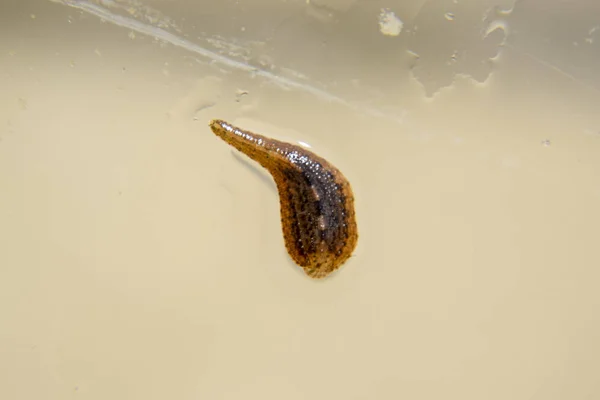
[(216, 123), (219, 128)]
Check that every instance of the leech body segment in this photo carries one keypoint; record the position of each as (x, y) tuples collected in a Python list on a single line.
[(316, 200)]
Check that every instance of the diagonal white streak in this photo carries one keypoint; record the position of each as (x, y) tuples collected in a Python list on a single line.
[(158, 33)]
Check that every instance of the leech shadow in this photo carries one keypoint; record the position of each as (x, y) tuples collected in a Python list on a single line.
[(256, 170)]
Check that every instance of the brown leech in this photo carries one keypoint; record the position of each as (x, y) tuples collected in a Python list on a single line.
[(317, 204)]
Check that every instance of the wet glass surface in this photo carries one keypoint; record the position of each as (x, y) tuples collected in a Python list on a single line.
[(142, 258)]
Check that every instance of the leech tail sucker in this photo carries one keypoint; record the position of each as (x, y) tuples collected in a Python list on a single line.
[(316, 200)]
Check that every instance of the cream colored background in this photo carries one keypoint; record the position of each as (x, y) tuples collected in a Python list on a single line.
[(140, 258)]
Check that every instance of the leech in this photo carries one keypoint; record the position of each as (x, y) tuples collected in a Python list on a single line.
[(316, 200)]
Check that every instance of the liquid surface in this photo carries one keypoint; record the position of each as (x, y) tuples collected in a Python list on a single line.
[(142, 258)]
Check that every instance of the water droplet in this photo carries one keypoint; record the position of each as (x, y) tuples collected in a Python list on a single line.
[(546, 142), (239, 94), (449, 16), (389, 23)]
